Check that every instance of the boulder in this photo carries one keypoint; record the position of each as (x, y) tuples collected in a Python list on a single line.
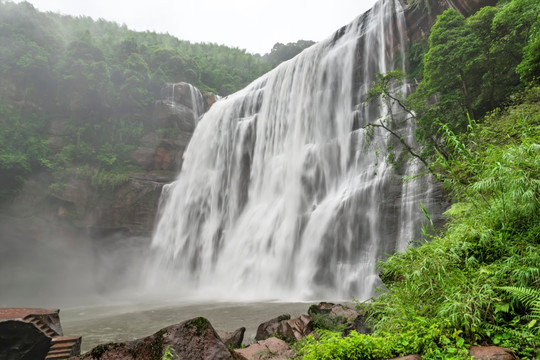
[(301, 326), (334, 310), (491, 353), (269, 349), (359, 325), (232, 339), (275, 327), (285, 328), (193, 339), (408, 357)]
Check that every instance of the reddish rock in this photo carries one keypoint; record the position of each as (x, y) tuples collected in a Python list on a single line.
[(285, 328), (269, 349), (210, 99), (325, 308), (491, 353), (334, 310), (156, 152), (301, 326), (408, 357), (275, 327), (194, 339), (162, 159)]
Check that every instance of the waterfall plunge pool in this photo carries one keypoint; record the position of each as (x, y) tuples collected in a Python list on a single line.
[(101, 324)]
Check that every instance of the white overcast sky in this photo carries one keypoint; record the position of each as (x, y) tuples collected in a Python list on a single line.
[(254, 25)]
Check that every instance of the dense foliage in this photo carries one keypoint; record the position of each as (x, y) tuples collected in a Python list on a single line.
[(477, 281), (283, 52), (470, 66), (92, 86)]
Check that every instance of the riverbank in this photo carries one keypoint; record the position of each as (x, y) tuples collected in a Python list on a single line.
[(102, 324)]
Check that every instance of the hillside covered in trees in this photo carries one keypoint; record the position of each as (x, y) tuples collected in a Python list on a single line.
[(103, 80)]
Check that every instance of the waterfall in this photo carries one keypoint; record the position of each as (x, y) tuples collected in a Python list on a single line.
[(283, 193), (183, 97)]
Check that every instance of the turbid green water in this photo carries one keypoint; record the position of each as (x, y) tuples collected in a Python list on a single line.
[(107, 323)]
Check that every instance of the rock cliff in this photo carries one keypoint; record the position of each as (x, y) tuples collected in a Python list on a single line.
[(131, 207), (422, 14)]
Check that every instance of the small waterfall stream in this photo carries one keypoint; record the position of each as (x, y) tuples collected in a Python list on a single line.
[(283, 194), (183, 97)]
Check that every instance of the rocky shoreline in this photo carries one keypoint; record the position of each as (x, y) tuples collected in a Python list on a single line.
[(198, 339)]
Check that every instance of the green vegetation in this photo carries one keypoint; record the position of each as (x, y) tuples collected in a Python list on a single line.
[(169, 354), (329, 322), (476, 281), (469, 68), (200, 324), (92, 85), (283, 52)]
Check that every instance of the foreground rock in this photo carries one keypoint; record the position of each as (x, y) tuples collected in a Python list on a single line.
[(285, 328), (232, 339), (333, 310), (269, 349), (194, 339), (491, 353), (329, 315)]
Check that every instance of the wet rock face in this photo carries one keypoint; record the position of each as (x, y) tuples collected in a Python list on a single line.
[(130, 208), (175, 117), (194, 339)]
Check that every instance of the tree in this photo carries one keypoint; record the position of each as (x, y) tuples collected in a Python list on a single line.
[(281, 52), (453, 48)]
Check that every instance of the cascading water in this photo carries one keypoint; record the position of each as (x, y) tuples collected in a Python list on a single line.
[(182, 97), (282, 194)]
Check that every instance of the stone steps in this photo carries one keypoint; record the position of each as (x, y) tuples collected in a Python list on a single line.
[(40, 325), (64, 347)]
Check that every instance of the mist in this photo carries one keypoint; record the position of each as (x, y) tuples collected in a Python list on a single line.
[(46, 262)]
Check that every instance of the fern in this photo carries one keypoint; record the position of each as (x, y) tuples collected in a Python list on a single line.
[(530, 298), (527, 296)]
